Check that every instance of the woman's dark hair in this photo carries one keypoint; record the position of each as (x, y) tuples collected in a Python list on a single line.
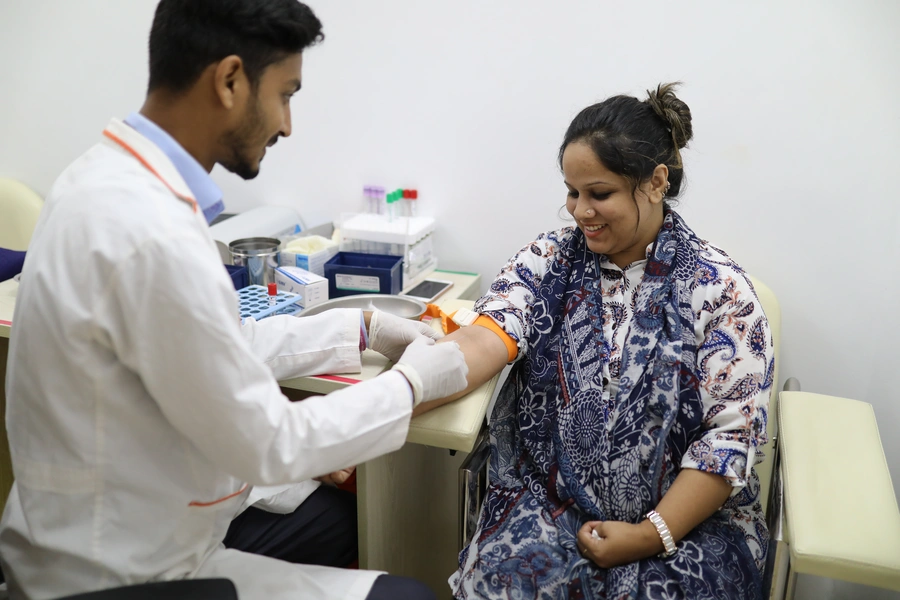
[(631, 137), (189, 35)]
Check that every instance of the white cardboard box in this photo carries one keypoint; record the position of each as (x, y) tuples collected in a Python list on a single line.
[(312, 288), (314, 263)]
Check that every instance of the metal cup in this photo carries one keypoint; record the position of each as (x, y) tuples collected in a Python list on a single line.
[(259, 255)]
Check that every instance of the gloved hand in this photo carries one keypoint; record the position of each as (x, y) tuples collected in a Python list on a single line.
[(433, 370), (390, 335)]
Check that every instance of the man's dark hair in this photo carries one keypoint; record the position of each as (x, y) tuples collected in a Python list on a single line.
[(189, 35)]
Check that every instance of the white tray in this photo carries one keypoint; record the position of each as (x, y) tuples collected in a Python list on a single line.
[(401, 306)]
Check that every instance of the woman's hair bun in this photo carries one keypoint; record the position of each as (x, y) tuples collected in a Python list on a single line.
[(674, 112)]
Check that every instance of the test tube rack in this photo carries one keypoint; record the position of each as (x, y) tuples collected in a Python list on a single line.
[(409, 237), (253, 302)]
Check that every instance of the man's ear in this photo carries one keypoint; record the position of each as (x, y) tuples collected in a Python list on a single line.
[(230, 81)]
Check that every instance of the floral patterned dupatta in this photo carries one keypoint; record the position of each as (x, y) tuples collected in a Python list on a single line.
[(612, 458)]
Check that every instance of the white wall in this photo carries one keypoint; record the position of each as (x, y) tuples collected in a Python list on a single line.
[(792, 169)]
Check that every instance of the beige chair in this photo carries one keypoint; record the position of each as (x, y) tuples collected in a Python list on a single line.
[(19, 210), (773, 315), (832, 512)]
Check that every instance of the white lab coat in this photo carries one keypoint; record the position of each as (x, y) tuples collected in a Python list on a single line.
[(140, 412)]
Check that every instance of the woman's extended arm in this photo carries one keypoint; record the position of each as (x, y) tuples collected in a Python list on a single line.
[(486, 355), (511, 295)]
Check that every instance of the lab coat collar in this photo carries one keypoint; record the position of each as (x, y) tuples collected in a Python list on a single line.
[(205, 190), (151, 157)]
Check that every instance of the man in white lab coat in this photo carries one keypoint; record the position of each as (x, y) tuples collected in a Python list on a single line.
[(141, 413)]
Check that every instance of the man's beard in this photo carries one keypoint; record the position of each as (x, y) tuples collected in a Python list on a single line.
[(240, 143)]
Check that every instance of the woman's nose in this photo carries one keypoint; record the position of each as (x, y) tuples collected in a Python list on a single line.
[(584, 210)]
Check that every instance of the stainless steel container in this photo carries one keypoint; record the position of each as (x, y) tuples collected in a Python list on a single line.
[(259, 255)]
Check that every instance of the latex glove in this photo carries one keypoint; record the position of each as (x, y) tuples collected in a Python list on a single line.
[(390, 335), (433, 370)]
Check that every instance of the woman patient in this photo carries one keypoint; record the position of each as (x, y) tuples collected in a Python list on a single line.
[(642, 371)]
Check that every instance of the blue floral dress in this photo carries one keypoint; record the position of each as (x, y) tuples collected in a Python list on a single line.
[(624, 377)]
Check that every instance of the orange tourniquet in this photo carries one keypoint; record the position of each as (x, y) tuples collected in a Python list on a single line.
[(512, 349), (448, 325)]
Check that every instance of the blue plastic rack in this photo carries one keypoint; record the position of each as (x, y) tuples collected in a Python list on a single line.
[(254, 302)]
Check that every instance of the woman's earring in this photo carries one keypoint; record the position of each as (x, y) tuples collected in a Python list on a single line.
[(666, 191)]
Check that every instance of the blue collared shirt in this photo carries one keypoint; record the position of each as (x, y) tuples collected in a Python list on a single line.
[(206, 192)]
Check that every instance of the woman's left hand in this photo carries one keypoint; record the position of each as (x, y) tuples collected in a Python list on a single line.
[(619, 543)]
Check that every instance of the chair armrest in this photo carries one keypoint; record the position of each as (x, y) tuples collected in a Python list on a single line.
[(840, 508), (472, 486)]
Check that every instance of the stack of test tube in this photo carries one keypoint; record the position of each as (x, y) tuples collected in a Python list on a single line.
[(373, 196), (377, 202), (410, 196), (388, 228), (391, 200)]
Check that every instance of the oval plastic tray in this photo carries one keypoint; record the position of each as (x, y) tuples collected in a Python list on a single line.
[(402, 306)]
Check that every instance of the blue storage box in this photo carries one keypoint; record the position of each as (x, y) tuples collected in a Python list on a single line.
[(239, 276), (350, 273), (11, 262)]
